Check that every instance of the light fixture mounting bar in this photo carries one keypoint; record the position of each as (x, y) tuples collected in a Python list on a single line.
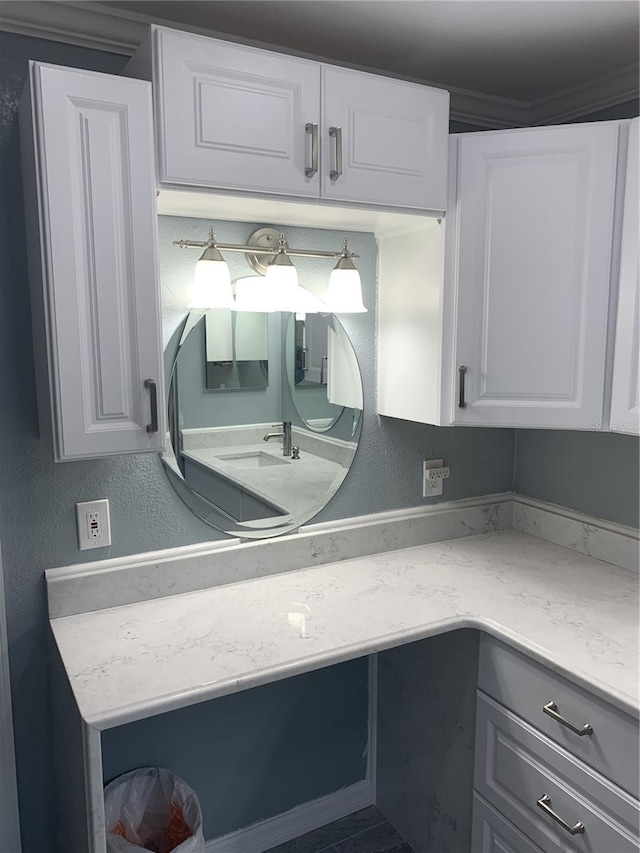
[(252, 250)]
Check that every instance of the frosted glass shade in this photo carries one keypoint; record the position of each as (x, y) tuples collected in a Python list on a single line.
[(344, 295), (211, 285), (281, 283)]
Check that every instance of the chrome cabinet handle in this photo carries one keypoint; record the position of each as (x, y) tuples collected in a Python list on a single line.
[(305, 352), (545, 804), (153, 400), (323, 369), (312, 129), (551, 709), (336, 133), (462, 372)]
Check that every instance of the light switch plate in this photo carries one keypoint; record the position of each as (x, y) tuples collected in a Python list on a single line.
[(94, 524)]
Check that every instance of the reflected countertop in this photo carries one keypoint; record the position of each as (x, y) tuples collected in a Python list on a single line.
[(287, 484), (575, 614)]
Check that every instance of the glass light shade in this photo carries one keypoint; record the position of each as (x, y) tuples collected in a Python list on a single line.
[(252, 294), (281, 282), (211, 285), (344, 295)]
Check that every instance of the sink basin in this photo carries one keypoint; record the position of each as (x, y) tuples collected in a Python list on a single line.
[(252, 459)]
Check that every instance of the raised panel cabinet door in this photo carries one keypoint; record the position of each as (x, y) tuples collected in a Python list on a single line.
[(383, 141), (234, 117), (532, 275), (90, 191), (625, 389)]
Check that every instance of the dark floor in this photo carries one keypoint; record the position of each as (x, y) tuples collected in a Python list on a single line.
[(366, 831)]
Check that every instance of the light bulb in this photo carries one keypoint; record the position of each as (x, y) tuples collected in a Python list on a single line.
[(344, 295)]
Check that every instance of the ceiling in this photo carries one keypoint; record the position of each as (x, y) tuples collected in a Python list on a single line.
[(527, 50)]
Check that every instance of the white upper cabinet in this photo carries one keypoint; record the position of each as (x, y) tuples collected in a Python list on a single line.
[(534, 231), (236, 118), (625, 392), (383, 141), (90, 203), (500, 317)]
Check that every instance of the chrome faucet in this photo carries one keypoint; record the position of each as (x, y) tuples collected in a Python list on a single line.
[(285, 435)]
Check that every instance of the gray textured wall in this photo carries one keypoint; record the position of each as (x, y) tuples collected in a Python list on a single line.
[(257, 753), (37, 497), (596, 473)]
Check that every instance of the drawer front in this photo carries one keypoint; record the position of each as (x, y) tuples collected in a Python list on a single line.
[(492, 833), (516, 766), (526, 687)]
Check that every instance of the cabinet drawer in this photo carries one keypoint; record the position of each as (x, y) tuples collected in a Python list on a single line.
[(492, 833), (526, 687), (516, 766)]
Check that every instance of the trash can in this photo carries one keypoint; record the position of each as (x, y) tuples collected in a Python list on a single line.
[(152, 809)]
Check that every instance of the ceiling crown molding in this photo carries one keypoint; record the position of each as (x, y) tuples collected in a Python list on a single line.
[(97, 26), (621, 87)]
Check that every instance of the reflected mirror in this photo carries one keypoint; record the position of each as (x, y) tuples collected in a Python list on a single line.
[(265, 412)]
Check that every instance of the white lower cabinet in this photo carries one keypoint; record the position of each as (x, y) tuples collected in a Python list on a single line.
[(492, 833), (89, 182), (533, 792), (625, 389), (506, 321)]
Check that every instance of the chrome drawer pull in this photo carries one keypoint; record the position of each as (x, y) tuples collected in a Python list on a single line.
[(336, 133), (551, 709), (545, 804), (312, 130)]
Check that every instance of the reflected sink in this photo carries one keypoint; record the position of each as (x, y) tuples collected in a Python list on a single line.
[(252, 459)]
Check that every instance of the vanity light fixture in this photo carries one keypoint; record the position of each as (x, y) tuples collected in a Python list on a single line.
[(269, 254), (211, 279), (345, 288)]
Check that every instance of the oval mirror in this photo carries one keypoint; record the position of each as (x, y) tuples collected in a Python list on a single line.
[(265, 412)]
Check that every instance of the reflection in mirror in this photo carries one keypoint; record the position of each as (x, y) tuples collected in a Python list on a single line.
[(236, 350), (266, 455)]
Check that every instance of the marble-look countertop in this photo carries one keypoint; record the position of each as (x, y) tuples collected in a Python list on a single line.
[(291, 485), (575, 614)]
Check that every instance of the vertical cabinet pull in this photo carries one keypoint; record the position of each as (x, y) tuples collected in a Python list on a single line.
[(545, 804), (153, 402), (312, 130), (462, 372), (336, 134)]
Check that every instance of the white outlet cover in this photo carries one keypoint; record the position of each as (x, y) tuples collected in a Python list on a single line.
[(103, 537), (429, 489)]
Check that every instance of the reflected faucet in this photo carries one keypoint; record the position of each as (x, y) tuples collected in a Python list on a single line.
[(285, 435)]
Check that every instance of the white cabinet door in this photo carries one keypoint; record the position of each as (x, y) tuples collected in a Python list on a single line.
[(625, 390), (391, 142), (90, 199), (234, 117), (532, 275)]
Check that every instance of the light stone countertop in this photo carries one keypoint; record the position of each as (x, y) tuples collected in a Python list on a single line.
[(292, 486), (577, 615)]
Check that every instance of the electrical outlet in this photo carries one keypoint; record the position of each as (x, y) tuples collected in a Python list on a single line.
[(433, 473), (94, 524)]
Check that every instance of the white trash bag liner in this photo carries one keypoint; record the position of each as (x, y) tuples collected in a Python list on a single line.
[(152, 809)]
